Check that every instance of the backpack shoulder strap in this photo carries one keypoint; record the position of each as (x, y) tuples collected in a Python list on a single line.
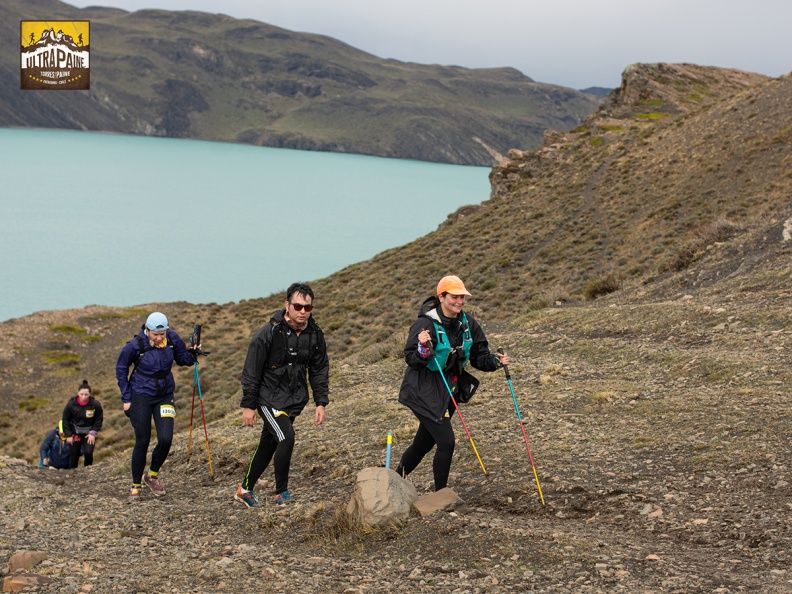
[(141, 350), (278, 346)]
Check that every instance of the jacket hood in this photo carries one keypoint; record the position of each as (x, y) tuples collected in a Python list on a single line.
[(428, 305)]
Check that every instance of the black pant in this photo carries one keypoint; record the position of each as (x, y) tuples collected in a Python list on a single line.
[(163, 410), (87, 450), (428, 435), (277, 439)]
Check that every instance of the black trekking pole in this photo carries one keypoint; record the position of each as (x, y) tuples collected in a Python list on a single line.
[(195, 344), (522, 427)]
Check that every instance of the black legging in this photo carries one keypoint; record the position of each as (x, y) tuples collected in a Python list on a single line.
[(277, 438), (87, 451), (428, 435), (143, 408)]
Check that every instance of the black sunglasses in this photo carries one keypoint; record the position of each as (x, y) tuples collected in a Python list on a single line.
[(299, 306)]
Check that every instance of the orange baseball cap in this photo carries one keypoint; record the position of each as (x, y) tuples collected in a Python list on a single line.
[(453, 285)]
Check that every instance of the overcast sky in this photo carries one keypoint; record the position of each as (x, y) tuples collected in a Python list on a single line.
[(574, 43)]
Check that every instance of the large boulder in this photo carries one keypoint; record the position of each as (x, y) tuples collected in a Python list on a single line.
[(381, 497)]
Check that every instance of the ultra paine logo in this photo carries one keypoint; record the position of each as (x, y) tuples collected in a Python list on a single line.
[(55, 55)]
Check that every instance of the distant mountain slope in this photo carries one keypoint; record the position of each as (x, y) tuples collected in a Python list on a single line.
[(196, 75)]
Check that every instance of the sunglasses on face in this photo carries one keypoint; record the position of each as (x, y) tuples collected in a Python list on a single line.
[(300, 306)]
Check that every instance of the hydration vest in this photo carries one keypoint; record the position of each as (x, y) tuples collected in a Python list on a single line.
[(443, 348), (160, 375), (287, 348)]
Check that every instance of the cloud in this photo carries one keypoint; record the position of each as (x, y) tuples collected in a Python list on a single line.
[(575, 43)]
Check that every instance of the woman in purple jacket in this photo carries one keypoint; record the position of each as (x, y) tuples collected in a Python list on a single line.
[(148, 393)]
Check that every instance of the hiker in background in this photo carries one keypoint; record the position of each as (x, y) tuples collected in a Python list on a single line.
[(55, 451), (443, 340), (82, 421), (148, 393), (289, 348)]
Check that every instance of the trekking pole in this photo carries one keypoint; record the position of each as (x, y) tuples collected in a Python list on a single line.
[(195, 341), (388, 449), (522, 427), (459, 412)]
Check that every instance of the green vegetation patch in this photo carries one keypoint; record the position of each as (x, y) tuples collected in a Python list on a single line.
[(116, 315), (60, 357), (91, 338), (784, 132), (33, 403), (652, 102), (67, 329), (650, 116)]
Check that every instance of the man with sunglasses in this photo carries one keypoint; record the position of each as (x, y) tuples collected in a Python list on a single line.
[(283, 357)]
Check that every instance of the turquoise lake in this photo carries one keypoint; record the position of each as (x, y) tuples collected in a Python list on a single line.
[(118, 220)]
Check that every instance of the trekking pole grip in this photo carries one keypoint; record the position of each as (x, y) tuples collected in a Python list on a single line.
[(505, 367)]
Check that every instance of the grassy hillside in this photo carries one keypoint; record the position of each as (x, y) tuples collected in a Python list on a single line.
[(196, 75), (649, 200)]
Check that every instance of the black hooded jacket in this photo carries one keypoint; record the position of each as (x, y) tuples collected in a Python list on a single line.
[(422, 389), (81, 420), (279, 365)]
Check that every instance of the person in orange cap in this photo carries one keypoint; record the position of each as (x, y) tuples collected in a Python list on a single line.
[(444, 340)]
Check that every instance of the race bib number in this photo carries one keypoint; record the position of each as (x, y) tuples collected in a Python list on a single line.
[(167, 411)]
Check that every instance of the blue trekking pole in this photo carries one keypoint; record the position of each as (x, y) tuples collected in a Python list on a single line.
[(522, 427), (195, 344), (388, 449)]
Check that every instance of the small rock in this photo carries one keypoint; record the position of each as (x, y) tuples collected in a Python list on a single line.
[(25, 560)]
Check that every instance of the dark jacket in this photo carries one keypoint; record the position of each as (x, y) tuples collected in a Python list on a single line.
[(56, 449), (277, 364), (153, 376), (422, 389), (81, 420)]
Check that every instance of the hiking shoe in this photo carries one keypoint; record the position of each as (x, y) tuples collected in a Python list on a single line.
[(134, 494), (248, 498), (154, 484), (283, 498)]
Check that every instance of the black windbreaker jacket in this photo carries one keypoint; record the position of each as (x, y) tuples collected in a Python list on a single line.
[(422, 389), (279, 365)]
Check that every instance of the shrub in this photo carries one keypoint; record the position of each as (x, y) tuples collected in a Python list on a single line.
[(603, 286), (720, 230), (686, 255)]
